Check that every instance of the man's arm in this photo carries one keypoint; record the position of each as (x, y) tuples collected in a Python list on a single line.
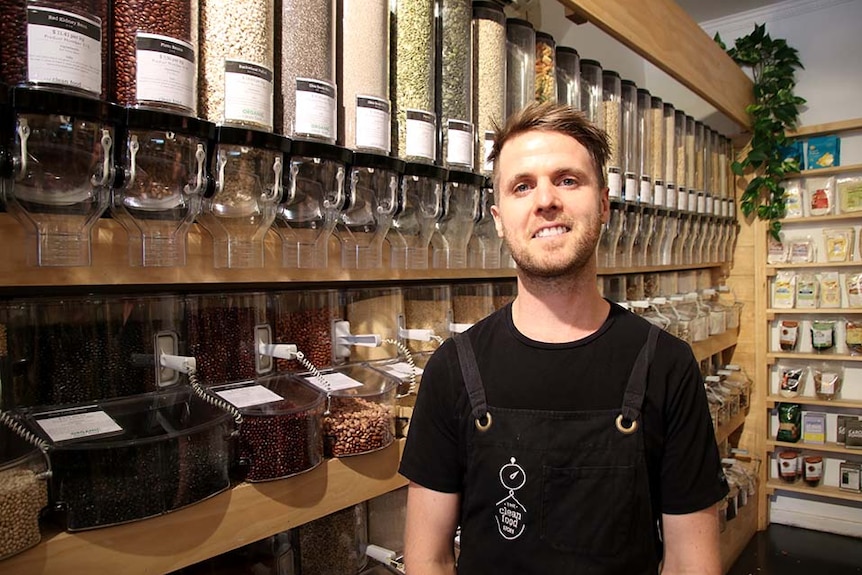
[(429, 540), (691, 543)]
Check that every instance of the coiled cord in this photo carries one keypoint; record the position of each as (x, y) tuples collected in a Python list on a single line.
[(218, 402), (409, 357), (300, 357), (19, 429)]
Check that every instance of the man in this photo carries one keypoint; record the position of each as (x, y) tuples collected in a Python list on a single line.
[(562, 433)]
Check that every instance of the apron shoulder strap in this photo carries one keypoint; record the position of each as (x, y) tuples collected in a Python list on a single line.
[(636, 388), (472, 380)]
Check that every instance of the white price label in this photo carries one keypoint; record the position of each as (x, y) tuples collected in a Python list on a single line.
[(79, 425), (248, 396), (334, 382)]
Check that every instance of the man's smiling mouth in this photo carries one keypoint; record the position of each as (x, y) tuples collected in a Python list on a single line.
[(550, 232)]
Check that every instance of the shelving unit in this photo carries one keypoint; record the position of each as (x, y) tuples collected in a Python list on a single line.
[(824, 172), (828, 447), (773, 400), (820, 491)]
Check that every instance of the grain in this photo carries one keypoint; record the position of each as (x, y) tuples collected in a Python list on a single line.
[(546, 69), (471, 308), (374, 312), (669, 147), (489, 78), (333, 544), (308, 52), (613, 126), (22, 497), (657, 141), (456, 74), (241, 31), (425, 314)]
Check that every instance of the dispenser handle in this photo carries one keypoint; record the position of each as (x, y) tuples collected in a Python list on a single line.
[(201, 158), (274, 193), (134, 146), (23, 130), (280, 350), (416, 334), (107, 175)]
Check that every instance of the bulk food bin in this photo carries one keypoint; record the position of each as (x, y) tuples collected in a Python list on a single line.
[(23, 491), (172, 441), (280, 434)]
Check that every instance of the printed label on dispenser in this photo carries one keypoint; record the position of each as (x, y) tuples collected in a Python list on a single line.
[(401, 370), (692, 201), (701, 203), (79, 426), (64, 48), (420, 134), (631, 188), (488, 142), (646, 190), (315, 108), (709, 206), (615, 183), (658, 194), (334, 381), (249, 396), (247, 93), (682, 199), (373, 123), (165, 70), (459, 149)]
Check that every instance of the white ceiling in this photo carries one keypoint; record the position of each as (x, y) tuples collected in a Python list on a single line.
[(703, 10)]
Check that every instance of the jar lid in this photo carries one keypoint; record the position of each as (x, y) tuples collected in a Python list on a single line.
[(668, 106), (309, 149), (480, 7), (589, 62), (813, 459), (689, 118), (137, 118), (377, 161), (233, 136), (545, 37), (567, 50), (628, 83), (469, 178), (611, 73), (425, 171), (643, 92), (31, 101), (517, 22), (656, 102), (788, 455)]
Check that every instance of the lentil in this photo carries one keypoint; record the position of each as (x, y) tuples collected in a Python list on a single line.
[(22, 497), (489, 77), (356, 425), (470, 308)]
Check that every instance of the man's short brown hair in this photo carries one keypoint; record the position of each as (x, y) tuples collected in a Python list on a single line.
[(561, 118)]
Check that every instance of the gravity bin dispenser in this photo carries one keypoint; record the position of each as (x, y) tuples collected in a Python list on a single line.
[(62, 173), (162, 158)]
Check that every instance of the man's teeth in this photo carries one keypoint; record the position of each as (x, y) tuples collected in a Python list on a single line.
[(546, 232)]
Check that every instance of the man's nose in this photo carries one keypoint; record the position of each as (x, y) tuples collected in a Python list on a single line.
[(546, 195)]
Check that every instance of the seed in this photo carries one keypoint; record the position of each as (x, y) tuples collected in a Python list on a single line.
[(22, 497), (456, 61), (489, 78), (334, 543)]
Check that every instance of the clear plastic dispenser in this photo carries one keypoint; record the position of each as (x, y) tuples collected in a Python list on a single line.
[(154, 55), (520, 64), (313, 200), (247, 167), (505, 292), (62, 172), (427, 310), (591, 91), (23, 491), (461, 211), (308, 90), (612, 115), (454, 56), (373, 327), (85, 348), (546, 68), (164, 178), (372, 199), (224, 333), (172, 441), (421, 205), (6, 137), (363, 76), (484, 249), (568, 77), (282, 419), (470, 303), (412, 80), (335, 543), (55, 45), (489, 76)]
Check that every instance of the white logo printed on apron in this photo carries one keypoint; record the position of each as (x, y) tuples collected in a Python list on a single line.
[(511, 515)]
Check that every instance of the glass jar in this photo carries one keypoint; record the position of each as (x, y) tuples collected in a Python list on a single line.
[(304, 318), (629, 139), (163, 161), (387, 517), (644, 148), (334, 543), (591, 91), (313, 202), (700, 155), (520, 64), (788, 466), (610, 238), (236, 63), (485, 244), (421, 206), (489, 77), (680, 125), (471, 302), (670, 150), (717, 311), (308, 93), (724, 158), (247, 168), (62, 167), (461, 210), (412, 80), (427, 316), (612, 113), (23, 493), (372, 200), (658, 141), (546, 68), (56, 45), (455, 61), (715, 169), (568, 77), (635, 288), (631, 228), (155, 54), (812, 470), (224, 332), (363, 86)]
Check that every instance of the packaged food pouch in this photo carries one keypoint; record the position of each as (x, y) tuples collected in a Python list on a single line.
[(822, 335), (776, 252), (789, 421), (793, 207), (830, 290), (784, 290), (854, 290), (791, 381), (822, 199), (853, 336), (827, 379), (839, 244), (788, 334), (802, 251), (849, 189), (807, 288)]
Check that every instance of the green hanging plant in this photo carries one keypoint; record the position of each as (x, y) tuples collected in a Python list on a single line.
[(774, 112)]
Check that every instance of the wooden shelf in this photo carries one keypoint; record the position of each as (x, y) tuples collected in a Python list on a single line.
[(244, 514), (726, 430), (651, 269), (738, 533), (771, 269), (773, 400), (772, 312), (772, 356), (824, 172), (829, 447), (827, 128), (824, 491), (853, 216), (714, 344)]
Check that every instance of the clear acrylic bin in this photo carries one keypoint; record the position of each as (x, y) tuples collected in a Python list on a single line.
[(23, 493)]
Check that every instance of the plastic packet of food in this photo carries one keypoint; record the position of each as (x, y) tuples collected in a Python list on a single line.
[(822, 199), (788, 334), (853, 336), (793, 206), (776, 252), (807, 288), (802, 250), (827, 378), (854, 290), (791, 381), (822, 335), (849, 189), (789, 422), (784, 289), (839, 244), (830, 290)]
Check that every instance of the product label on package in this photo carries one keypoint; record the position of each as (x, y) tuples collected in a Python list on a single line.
[(65, 49), (249, 396), (247, 93), (459, 138), (421, 131), (165, 70), (401, 370), (315, 108), (373, 123), (79, 425)]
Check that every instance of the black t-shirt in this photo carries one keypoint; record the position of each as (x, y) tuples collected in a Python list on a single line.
[(588, 374)]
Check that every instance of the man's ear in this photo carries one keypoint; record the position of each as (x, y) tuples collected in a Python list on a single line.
[(498, 222)]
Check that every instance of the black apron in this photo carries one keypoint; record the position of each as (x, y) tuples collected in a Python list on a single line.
[(556, 492)]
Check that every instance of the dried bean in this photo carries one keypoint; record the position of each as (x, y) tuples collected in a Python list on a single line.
[(357, 425), (281, 445), (311, 331), (221, 338)]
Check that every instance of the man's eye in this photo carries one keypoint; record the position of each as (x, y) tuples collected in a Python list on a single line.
[(569, 182), (520, 188)]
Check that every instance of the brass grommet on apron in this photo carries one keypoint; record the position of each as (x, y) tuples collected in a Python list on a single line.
[(623, 429), (483, 426)]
